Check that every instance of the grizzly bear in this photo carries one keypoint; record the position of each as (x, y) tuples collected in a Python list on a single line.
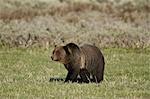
[(85, 61)]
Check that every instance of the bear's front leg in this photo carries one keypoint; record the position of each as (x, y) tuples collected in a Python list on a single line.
[(68, 77), (85, 75), (71, 76)]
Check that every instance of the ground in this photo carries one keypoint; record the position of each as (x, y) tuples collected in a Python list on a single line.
[(26, 74)]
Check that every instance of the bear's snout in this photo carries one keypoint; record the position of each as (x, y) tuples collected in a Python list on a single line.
[(54, 58)]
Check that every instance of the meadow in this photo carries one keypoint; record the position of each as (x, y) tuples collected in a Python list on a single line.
[(25, 73), (29, 29)]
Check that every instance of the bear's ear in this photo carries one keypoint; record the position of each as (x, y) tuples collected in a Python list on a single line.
[(72, 46), (67, 50)]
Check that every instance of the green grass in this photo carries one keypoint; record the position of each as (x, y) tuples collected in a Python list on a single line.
[(25, 73)]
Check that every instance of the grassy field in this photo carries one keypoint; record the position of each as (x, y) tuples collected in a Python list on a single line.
[(25, 73)]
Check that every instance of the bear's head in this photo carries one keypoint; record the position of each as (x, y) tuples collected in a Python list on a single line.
[(64, 54), (59, 54)]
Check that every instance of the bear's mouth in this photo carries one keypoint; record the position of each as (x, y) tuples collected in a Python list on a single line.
[(55, 60)]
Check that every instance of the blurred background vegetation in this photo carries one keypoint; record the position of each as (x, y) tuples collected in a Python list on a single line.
[(105, 23)]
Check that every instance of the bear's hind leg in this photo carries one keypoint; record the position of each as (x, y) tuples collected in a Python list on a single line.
[(99, 77)]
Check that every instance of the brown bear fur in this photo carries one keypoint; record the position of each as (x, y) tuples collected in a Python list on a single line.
[(86, 61)]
